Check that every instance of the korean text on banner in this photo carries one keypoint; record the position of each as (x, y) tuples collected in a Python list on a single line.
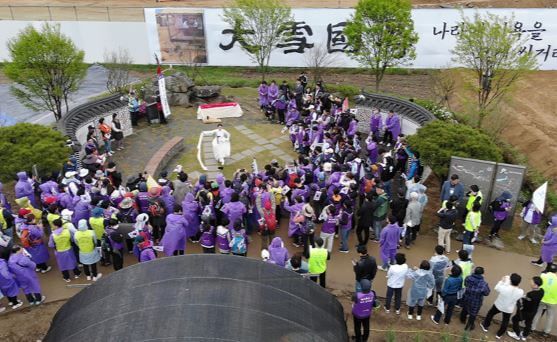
[(164, 100)]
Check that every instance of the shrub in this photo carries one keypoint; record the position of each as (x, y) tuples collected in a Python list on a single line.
[(343, 90), (440, 112), (439, 140), (24, 145)]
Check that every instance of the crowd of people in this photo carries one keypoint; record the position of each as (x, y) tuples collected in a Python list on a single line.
[(342, 181)]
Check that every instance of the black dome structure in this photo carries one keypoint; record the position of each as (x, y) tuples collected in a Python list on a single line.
[(201, 297)]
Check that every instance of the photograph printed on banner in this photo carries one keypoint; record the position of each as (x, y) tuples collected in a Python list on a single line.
[(181, 36)]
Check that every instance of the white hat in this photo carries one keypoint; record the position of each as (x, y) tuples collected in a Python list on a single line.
[(327, 167), (311, 107), (329, 150), (265, 255), (66, 213), (83, 173), (70, 174)]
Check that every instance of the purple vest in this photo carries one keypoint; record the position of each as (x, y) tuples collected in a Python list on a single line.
[(363, 305), (329, 225), (207, 239)]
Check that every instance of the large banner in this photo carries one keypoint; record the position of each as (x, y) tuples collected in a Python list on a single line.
[(185, 36)]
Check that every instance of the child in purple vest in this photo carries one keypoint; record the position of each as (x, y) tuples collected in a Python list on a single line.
[(361, 310), (208, 236), (223, 237)]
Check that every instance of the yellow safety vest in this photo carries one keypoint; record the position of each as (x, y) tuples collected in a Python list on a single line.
[(3, 222), (317, 260), (63, 240), (97, 223), (84, 240), (50, 217), (549, 287), (472, 199), (473, 221)]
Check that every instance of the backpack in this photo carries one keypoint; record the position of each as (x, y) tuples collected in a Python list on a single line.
[(291, 178), (382, 209), (206, 214), (368, 185), (155, 208), (299, 218), (238, 243), (270, 220)]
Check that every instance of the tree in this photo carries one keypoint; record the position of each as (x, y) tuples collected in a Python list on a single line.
[(24, 145), (46, 67), (381, 35), (444, 86), (318, 59), (259, 26), (439, 140), (492, 49), (118, 66)]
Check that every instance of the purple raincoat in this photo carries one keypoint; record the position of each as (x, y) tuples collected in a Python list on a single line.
[(375, 123), (272, 93), (82, 211), (65, 259), (3, 198), (24, 188), (23, 268), (168, 199), (549, 243), (234, 211), (48, 189), (388, 242), (38, 250), (191, 214), (8, 285), (278, 254), (293, 227), (392, 123), (263, 93), (174, 238)]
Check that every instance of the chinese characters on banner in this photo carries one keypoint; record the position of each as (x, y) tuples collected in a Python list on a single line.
[(437, 30)]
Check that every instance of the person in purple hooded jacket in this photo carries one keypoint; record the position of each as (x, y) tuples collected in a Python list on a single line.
[(3, 199), (375, 124), (23, 268), (174, 238), (168, 199), (234, 210), (263, 91), (191, 212), (549, 245), (32, 239), (61, 240), (24, 188), (388, 242), (392, 128), (142, 198), (293, 226), (500, 209), (277, 252), (8, 285)]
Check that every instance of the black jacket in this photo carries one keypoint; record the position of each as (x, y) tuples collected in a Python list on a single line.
[(447, 218), (365, 214), (365, 268)]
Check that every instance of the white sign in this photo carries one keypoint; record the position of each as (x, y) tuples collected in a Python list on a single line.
[(164, 99), (538, 197), (184, 36)]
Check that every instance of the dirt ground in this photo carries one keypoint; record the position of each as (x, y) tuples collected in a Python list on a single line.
[(528, 120)]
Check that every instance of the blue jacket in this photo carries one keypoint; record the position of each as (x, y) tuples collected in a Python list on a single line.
[(452, 285), (458, 191)]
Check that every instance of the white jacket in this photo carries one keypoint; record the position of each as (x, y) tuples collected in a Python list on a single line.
[(508, 296)]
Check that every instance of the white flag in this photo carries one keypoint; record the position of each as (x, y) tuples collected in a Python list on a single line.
[(538, 197)]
